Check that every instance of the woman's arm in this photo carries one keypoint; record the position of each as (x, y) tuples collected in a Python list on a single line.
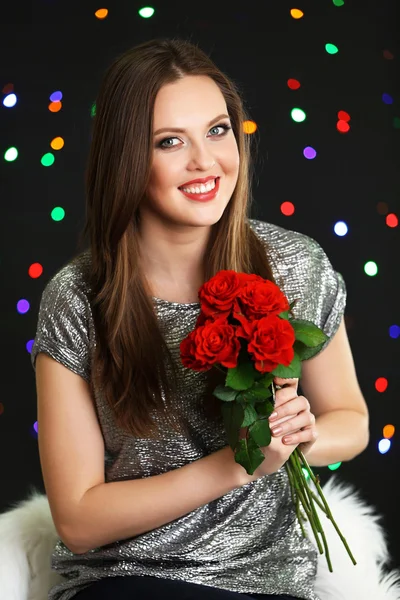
[(330, 384)]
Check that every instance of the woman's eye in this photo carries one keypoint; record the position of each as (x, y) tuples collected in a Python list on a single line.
[(163, 143)]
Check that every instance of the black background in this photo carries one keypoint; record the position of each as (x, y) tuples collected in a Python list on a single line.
[(49, 45)]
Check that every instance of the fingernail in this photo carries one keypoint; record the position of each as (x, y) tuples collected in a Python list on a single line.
[(273, 416), (277, 430), (287, 440)]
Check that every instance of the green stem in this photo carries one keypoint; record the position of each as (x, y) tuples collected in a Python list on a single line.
[(295, 500), (327, 509), (314, 510), (306, 509)]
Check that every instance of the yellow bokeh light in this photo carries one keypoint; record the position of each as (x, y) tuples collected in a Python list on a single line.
[(101, 13), (296, 13), (388, 431), (249, 127), (57, 143)]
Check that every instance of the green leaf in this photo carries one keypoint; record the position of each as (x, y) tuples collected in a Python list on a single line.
[(265, 379), (264, 409), (241, 377), (260, 432), (256, 393), (249, 455), (308, 333), (225, 393), (284, 315), (232, 414), (250, 415), (304, 352), (293, 370)]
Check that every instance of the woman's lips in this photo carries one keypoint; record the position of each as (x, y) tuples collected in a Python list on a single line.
[(203, 197)]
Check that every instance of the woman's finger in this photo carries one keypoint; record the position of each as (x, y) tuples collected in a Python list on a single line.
[(304, 436), (291, 407), (281, 381), (303, 419)]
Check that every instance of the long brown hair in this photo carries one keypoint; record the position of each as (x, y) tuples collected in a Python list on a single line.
[(130, 348)]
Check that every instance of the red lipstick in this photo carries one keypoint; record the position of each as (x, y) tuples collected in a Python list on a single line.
[(207, 195)]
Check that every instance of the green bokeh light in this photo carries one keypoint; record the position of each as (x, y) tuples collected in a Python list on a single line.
[(331, 48), (334, 466), (47, 159), (11, 154), (306, 473), (58, 213), (338, 2), (146, 12), (371, 268), (298, 115)]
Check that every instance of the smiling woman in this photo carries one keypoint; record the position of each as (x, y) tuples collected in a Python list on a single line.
[(141, 481)]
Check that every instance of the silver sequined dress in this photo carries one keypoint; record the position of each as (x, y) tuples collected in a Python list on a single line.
[(248, 540)]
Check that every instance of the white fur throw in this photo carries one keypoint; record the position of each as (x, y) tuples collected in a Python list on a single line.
[(28, 535)]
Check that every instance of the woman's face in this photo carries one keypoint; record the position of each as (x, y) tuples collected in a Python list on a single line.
[(206, 147)]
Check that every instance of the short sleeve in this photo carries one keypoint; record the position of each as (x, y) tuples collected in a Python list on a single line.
[(323, 289), (63, 326)]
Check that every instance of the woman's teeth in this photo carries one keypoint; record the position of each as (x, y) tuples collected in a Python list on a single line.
[(202, 189)]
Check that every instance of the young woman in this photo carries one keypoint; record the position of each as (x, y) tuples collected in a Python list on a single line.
[(143, 487)]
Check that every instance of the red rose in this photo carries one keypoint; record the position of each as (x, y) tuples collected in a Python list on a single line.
[(218, 293), (271, 343), (212, 343), (259, 299)]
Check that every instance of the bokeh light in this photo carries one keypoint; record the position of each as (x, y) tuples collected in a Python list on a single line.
[(298, 115), (387, 98), (293, 84), (342, 126), (371, 268), (101, 13), (340, 228), (23, 306), (10, 100), (309, 153), (57, 143), (47, 159), (11, 154), (56, 96), (249, 127), (392, 220), (55, 106), (287, 209), (394, 331), (296, 13), (146, 12), (381, 384), (382, 208), (334, 466), (331, 48), (58, 213), (384, 446), (35, 270), (343, 115), (388, 431)]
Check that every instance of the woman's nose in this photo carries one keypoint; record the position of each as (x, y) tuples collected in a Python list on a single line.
[(201, 159)]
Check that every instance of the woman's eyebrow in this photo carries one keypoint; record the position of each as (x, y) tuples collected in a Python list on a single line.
[(178, 130)]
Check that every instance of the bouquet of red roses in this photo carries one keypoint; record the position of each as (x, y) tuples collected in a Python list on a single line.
[(247, 330)]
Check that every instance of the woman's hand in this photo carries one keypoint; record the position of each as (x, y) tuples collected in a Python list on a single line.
[(292, 420), (297, 423)]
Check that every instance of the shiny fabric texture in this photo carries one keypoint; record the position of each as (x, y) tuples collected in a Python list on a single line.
[(247, 541)]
